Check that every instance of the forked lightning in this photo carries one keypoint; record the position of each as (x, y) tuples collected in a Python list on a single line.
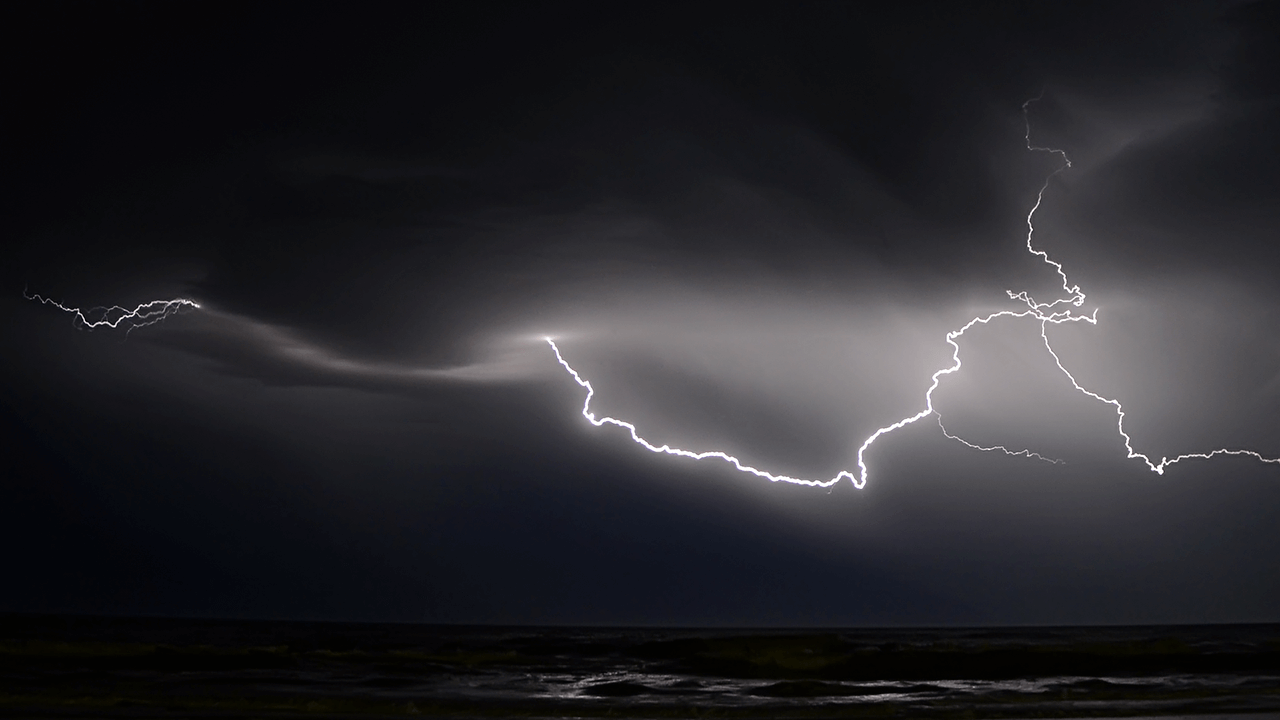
[(1045, 312), (1064, 309)]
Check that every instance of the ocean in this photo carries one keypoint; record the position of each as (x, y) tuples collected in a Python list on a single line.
[(64, 666)]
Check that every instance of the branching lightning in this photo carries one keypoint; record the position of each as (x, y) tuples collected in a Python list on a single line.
[(1064, 309), (1045, 312), (148, 313)]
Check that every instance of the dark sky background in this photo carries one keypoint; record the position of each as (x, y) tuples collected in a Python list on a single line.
[(751, 229)]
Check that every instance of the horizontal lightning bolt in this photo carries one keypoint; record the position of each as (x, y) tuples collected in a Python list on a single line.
[(591, 417), (995, 448), (1045, 312), (148, 313)]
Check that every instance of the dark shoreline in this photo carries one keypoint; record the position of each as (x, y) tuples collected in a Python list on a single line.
[(83, 666)]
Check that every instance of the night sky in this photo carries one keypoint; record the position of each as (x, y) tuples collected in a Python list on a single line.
[(750, 229)]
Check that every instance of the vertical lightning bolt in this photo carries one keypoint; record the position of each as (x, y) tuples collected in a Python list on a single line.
[(1076, 297), (1046, 313), (148, 313)]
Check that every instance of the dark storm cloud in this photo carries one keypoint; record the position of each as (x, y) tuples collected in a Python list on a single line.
[(750, 230)]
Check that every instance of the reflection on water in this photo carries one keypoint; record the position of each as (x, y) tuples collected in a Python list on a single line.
[(135, 667)]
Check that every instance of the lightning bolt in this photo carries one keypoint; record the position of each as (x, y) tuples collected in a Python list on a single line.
[(1046, 313), (591, 417), (148, 313), (1055, 312)]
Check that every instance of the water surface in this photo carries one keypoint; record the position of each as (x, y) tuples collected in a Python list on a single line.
[(119, 667)]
